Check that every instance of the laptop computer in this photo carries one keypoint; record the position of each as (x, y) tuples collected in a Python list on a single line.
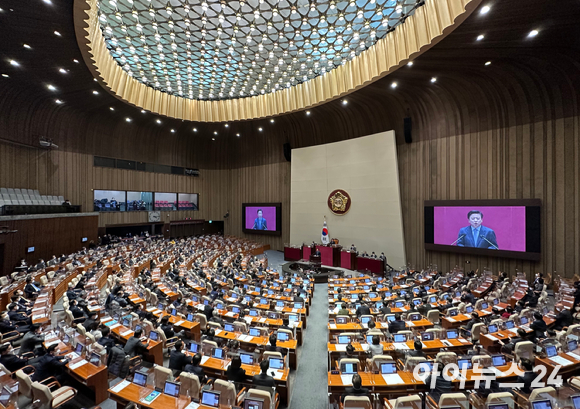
[(498, 406), (171, 389), (210, 398), (140, 378), (365, 320), (390, 318), (388, 368), (509, 324), (247, 359), (399, 337), (498, 360), (464, 363), (348, 368), (193, 347), (452, 334), (95, 359), (343, 339), (229, 327), (576, 401), (492, 328), (153, 336), (469, 309), (551, 351), (217, 353), (572, 345), (282, 336), (255, 332), (276, 363), (542, 404), (427, 336)]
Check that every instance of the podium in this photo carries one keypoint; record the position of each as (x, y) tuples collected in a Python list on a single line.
[(315, 261), (292, 253), (330, 255), (373, 265)]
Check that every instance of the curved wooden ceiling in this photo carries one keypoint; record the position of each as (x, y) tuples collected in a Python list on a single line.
[(529, 80)]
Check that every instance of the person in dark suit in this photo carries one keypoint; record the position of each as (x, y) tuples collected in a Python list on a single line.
[(272, 347), (6, 325), (30, 289), (76, 311), (32, 339), (418, 351), (363, 310), (208, 311), (177, 359), (528, 377), (263, 379), (468, 297), (105, 340), (476, 235), (539, 326), (440, 387), (356, 389), (397, 325), (9, 360), (235, 372), (134, 346), (49, 365), (195, 368), (18, 316), (563, 319), (385, 309), (259, 222)]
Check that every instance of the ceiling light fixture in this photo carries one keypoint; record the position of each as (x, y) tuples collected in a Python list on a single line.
[(485, 10), (394, 85), (238, 135), (173, 131), (58, 101), (307, 112), (14, 63), (226, 125), (128, 119), (96, 92), (433, 79), (410, 64), (194, 129), (260, 129), (111, 108), (158, 121), (51, 87), (213, 139), (272, 120), (488, 63), (26, 46), (56, 33), (480, 37), (75, 61), (344, 102), (533, 33), (62, 70), (6, 75)]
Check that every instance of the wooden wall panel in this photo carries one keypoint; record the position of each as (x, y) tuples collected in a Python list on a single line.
[(49, 236)]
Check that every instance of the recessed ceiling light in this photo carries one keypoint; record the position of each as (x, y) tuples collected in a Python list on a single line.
[(57, 33), (15, 63), (344, 102), (51, 87), (47, 2), (158, 121), (488, 63), (143, 111), (75, 61), (271, 120), (410, 64), (260, 129), (434, 79), (307, 112), (111, 108), (485, 9), (94, 79), (26, 46), (128, 119), (6, 75), (215, 132), (480, 37), (394, 85), (226, 125), (173, 131), (62, 70), (238, 135), (213, 139), (194, 129), (533, 33), (96, 92), (58, 101)]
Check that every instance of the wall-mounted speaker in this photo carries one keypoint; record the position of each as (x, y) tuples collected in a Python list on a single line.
[(407, 129), (287, 151)]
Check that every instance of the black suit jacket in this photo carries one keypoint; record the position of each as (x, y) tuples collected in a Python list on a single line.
[(236, 375), (363, 310), (17, 316), (351, 391), (396, 326), (540, 328), (263, 380), (47, 366), (30, 341), (178, 360), (441, 386), (527, 380), (107, 342), (12, 362), (134, 346), (7, 326), (196, 370)]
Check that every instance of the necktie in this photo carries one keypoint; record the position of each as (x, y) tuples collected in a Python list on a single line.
[(475, 236)]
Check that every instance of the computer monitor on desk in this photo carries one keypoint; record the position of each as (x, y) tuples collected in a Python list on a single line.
[(254, 403), (171, 389), (542, 404), (211, 398)]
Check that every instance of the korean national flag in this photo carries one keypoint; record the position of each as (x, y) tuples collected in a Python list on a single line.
[(324, 238)]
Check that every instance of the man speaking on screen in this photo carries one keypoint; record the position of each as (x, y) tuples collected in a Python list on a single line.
[(260, 222), (476, 235)]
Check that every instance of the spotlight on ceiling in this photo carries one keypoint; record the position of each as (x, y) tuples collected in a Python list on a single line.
[(14, 63), (533, 33), (51, 87), (128, 119), (394, 85), (56, 33), (485, 9), (410, 64), (344, 102), (480, 37), (434, 79), (307, 112), (488, 63), (96, 92), (58, 101)]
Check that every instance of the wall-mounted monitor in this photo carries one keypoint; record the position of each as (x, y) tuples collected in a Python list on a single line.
[(500, 228), (109, 200), (262, 218), (30, 250), (84, 239)]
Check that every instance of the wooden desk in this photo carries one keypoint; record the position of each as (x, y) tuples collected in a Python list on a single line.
[(191, 327), (460, 319), (134, 393), (95, 377), (565, 371), (154, 351)]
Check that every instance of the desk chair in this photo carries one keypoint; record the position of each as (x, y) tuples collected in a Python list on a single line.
[(448, 399), (374, 363), (274, 354), (162, 375), (445, 358), (505, 398), (202, 319), (269, 395), (404, 402), (433, 316), (167, 342), (524, 349), (451, 310), (347, 361), (9, 337), (215, 325), (356, 402), (462, 306), (437, 331), (484, 361), (476, 331), (227, 392), (43, 398), (523, 401), (207, 346), (240, 326), (81, 329), (190, 385)]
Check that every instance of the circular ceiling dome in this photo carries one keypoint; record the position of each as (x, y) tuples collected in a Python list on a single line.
[(217, 49)]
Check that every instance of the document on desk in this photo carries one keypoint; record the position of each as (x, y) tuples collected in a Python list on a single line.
[(463, 341), (218, 331), (332, 326), (230, 313), (573, 355), (278, 374), (365, 347), (450, 319), (491, 337), (514, 330), (204, 359), (263, 319), (561, 361), (37, 316), (78, 364), (410, 323), (346, 379), (120, 386), (192, 405), (117, 325), (245, 338), (248, 319), (400, 346), (126, 333), (446, 342), (55, 341), (392, 379), (178, 323), (36, 310), (340, 347)]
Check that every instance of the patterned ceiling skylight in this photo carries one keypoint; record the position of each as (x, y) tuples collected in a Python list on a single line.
[(217, 49)]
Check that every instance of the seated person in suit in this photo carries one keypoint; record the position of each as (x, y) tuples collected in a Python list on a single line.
[(539, 326), (386, 308), (397, 325), (563, 319), (263, 379), (134, 346), (32, 339), (474, 320), (235, 372), (105, 340), (418, 351), (177, 359), (76, 311), (439, 387), (49, 365), (30, 289), (356, 389), (272, 347), (364, 309), (508, 347), (195, 368), (17, 316), (376, 348), (528, 377), (11, 361)]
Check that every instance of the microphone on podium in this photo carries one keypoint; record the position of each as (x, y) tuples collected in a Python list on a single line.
[(491, 243), (459, 238)]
